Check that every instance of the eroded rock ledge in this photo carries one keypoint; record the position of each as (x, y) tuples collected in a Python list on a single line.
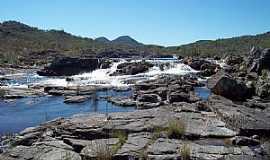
[(138, 134)]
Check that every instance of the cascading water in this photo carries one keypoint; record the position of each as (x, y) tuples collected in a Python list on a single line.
[(103, 76)]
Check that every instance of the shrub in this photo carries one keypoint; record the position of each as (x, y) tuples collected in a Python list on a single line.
[(121, 135), (185, 152), (176, 129)]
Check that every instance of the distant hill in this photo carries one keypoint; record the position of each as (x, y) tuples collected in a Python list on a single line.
[(22, 43), (126, 40), (102, 40), (236, 45)]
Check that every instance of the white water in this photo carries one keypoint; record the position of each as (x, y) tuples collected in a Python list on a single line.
[(102, 76)]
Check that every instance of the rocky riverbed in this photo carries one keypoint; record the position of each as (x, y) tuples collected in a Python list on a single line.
[(171, 120)]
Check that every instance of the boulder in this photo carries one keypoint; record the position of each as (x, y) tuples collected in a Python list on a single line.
[(182, 97), (225, 85), (195, 63), (234, 60), (69, 66), (132, 68)]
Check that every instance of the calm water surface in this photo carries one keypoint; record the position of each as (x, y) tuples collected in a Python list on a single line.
[(27, 112)]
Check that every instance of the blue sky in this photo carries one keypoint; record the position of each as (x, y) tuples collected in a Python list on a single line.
[(164, 22)]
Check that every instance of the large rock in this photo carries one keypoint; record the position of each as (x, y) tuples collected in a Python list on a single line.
[(69, 66), (225, 85), (258, 60), (248, 121), (195, 63), (182, 97), (234, 60), (132, 68)]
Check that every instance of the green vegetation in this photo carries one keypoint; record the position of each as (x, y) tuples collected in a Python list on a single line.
[(185, 152), (20, 42), (122, 137), (176, 129), (8, 139), (237, 45)]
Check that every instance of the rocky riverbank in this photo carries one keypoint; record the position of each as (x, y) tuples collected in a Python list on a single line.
[(171, 120)]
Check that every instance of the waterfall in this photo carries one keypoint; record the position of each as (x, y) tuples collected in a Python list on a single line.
[(102, 76)]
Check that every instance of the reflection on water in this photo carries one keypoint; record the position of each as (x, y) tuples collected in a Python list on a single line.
[(22, 113), (202, 92)]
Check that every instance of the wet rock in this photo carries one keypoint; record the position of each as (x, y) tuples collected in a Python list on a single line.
[(16, 93), (225, 85), (69, 66), (105, 63), (146, 101), (195, 63), (75, 99), (132, 68), (182, 97), (122, 101)]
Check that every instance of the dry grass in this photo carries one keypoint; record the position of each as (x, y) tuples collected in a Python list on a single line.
[(103, 152), (176, 129), (185, 152)]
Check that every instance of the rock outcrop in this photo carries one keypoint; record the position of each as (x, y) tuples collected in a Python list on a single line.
[(258, 60), (132, 68), (133, 135), (69, 66)]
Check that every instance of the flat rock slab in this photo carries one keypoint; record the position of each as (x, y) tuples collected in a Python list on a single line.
[(39, 152), (99, 146), (134, 145), (163, 146), (249, 121)]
